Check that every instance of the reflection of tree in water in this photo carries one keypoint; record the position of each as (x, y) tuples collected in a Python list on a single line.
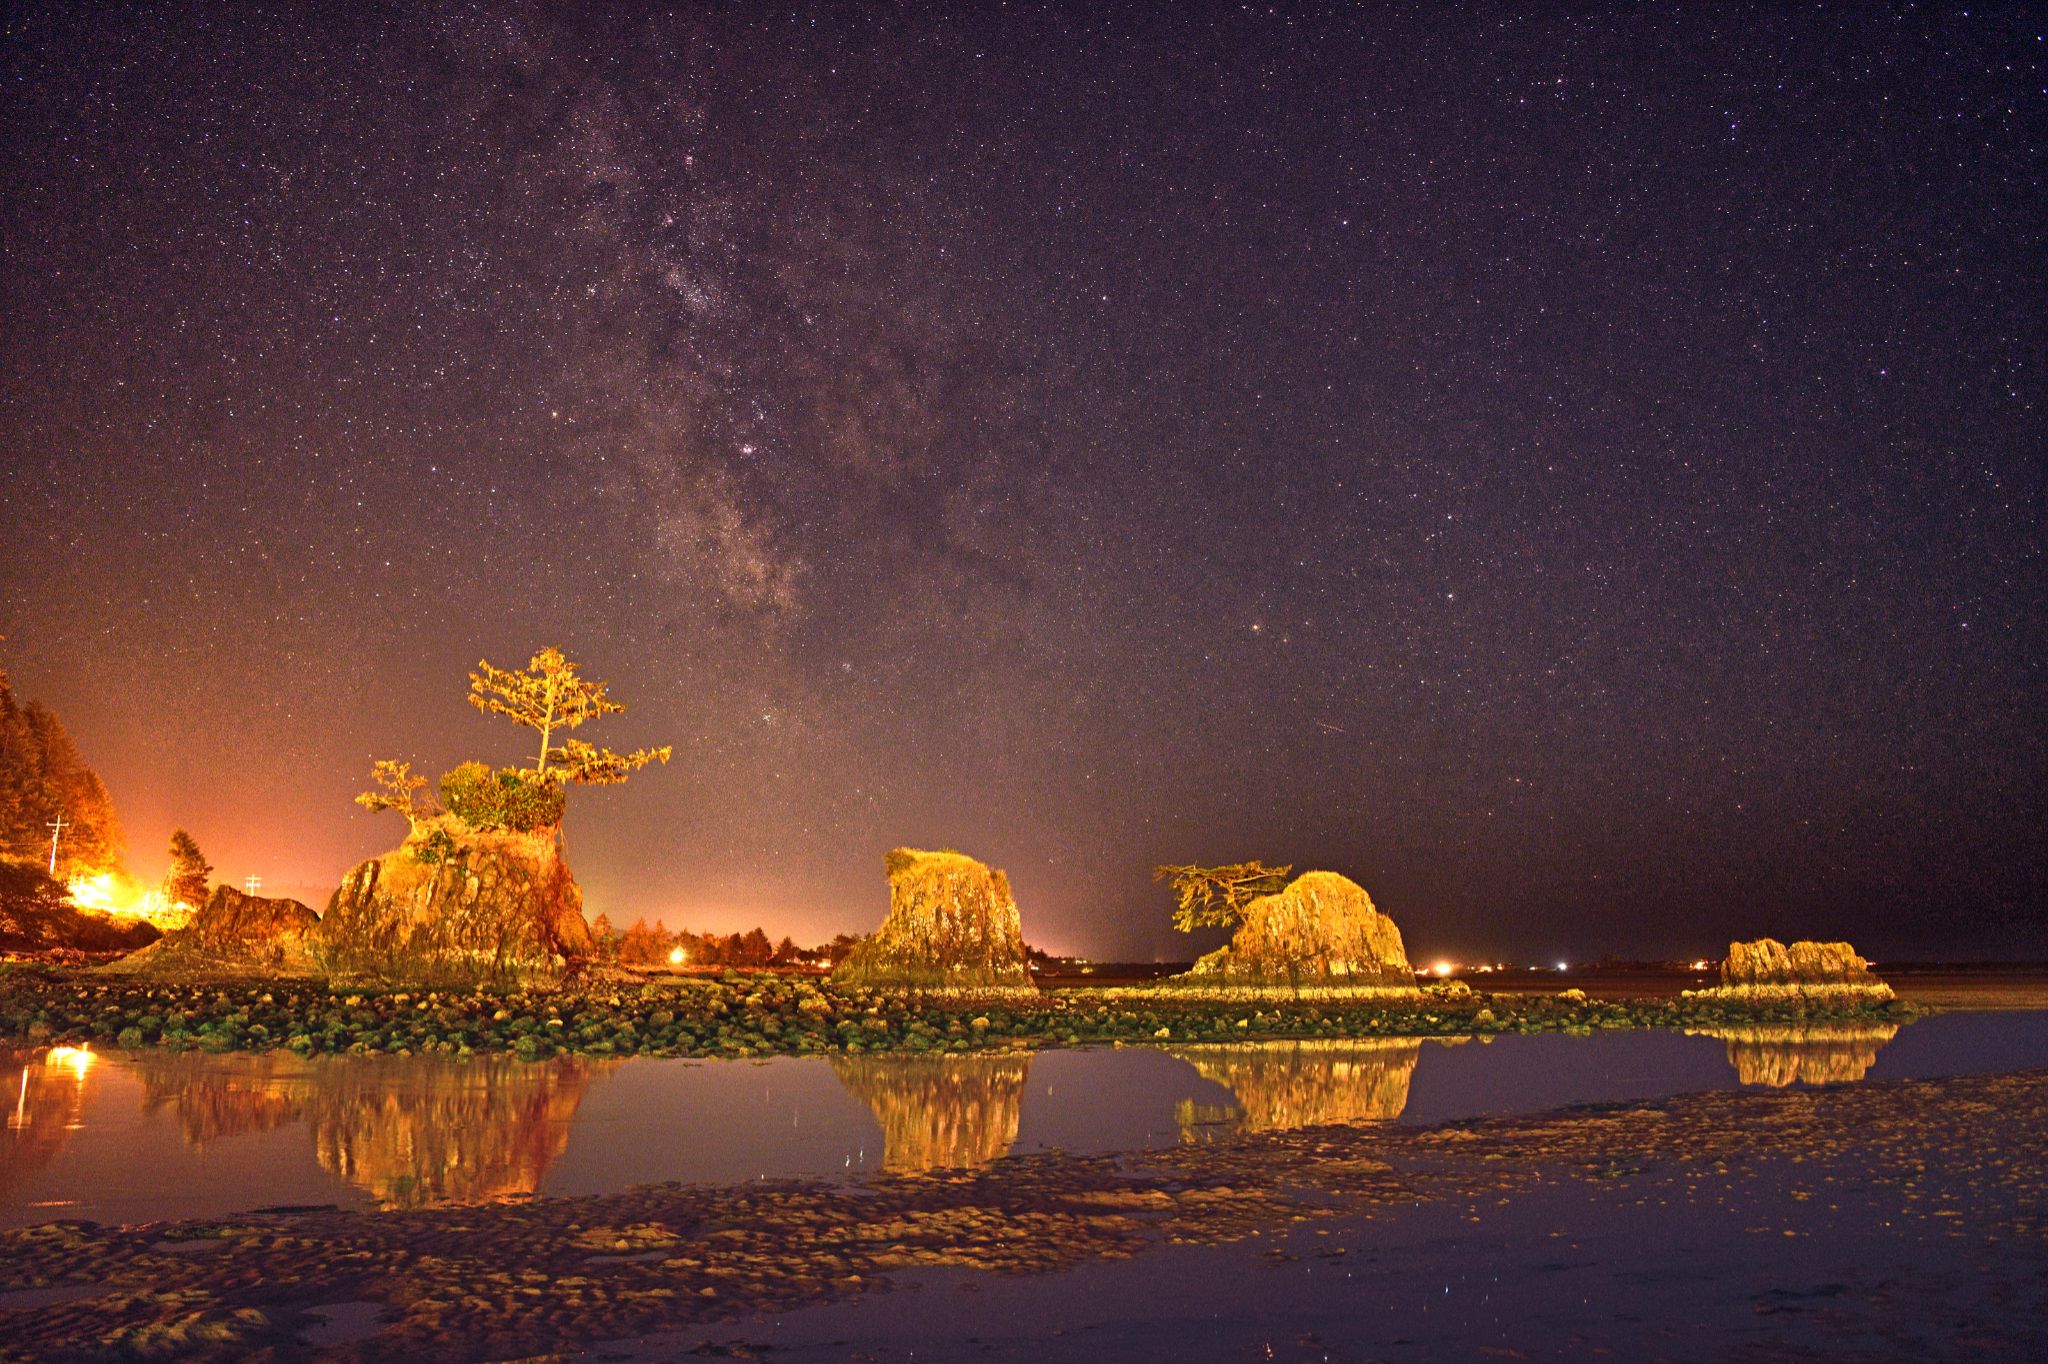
[(939, 1112), (409, 1131), (47, 1105), (1811, 1053), (1299, 1084)]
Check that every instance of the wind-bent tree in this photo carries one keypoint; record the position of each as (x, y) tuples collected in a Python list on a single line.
[(397, 789), (190, 878), (549, 697), (1215, 897)]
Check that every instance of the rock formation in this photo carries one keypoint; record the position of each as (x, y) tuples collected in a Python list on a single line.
[(232, 934), (940, 1112), (1320, 933), (1767, 969), (456, 907), (952, 925), (1305, 1083)]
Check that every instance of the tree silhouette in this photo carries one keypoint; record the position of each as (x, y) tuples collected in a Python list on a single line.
[(190, 877), (1215, 897)]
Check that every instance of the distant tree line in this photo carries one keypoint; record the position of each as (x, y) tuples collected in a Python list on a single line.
[(42, 778), (654, 944)]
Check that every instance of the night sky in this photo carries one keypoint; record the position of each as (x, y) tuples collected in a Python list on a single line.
[(1580, 476)]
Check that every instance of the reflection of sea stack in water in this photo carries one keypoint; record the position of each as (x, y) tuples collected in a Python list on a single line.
[(409, 1131), (455, 906), (1321, 932), (939, 1112), (1811, 1054), (457, 1132), (952, 925), (231, 934), (1767, 969), (1304, 1083)]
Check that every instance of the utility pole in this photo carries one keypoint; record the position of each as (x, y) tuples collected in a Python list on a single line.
[(252, 884), (56, 831)]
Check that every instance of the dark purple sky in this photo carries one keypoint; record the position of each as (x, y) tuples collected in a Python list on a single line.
[(1580, 476)]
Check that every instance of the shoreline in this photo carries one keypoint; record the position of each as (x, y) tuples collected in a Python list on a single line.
[(542, 1274), (771, 1015)]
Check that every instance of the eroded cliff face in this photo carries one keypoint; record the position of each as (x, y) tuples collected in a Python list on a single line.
[(952, 925), (1321, 931), (454, 907), (940, 1112), (1304, 1083), (235, 935)]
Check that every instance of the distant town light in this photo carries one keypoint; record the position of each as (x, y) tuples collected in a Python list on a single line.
[(1444, 968), (1564, 966), (677, 956), (1700, 965)]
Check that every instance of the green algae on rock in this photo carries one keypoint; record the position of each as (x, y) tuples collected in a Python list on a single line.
[(952, 926), (1321, 934), (454, 906)]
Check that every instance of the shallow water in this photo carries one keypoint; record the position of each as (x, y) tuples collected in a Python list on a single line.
[(159, 1135)]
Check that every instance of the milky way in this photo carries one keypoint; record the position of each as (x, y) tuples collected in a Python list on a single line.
[(1581, 476)]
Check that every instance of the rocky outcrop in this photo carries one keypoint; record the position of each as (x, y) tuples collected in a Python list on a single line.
[(940, 1112), (454, 907), (232, 934), (1321, 933), (952, 925), (1805, 972), (36, 918), (1770, 962)]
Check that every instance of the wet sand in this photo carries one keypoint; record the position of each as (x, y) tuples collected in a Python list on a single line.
[(1897, 1220)]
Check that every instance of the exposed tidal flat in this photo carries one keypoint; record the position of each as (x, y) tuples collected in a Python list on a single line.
[(1879, 1220), (767, 1165)]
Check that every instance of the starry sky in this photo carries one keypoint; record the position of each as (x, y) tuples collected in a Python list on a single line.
[(1579, 473)]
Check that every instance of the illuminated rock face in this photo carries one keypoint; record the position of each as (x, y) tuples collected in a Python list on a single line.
[(478, 908), (1769, 962), (940, 1112), (1321, 931), (1305, 1083), (952, 925), (232, 934)]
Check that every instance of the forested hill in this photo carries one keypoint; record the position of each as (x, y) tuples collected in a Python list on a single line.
[(42, 777)]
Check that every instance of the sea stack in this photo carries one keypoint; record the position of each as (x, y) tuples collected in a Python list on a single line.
[(457, 907), (1321, 932), (952, 925), (1767, 969)]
